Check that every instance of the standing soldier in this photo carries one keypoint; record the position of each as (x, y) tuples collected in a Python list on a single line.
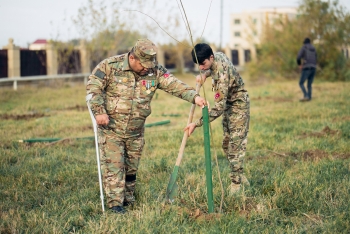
[(122, 88), (307, 53), (231, 101)]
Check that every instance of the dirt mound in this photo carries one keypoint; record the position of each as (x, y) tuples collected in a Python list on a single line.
[(77, 108), (314, 154), (326, 131), (22, 117), (274, 99)]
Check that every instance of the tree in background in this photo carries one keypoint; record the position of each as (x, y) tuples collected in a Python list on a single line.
[(111, 28), (68, 57), (105, 31), (178, 56), (327, 24)]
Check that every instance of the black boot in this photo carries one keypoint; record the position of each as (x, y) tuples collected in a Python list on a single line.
[(126, 203), (118, 209)]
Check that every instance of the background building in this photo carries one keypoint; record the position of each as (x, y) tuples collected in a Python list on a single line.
[(39, 44), (246, 29)]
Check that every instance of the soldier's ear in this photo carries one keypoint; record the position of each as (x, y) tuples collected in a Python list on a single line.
[(132, 58)]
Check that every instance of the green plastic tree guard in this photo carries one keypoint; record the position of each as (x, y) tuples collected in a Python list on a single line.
[(208, 171)]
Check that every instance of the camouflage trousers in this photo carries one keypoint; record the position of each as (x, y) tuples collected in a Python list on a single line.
[(120, 159), (235, 124)]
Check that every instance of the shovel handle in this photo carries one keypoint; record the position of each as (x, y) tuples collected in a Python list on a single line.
[(184, 138)]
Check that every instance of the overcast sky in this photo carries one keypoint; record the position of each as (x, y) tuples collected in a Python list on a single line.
[(25, 21)]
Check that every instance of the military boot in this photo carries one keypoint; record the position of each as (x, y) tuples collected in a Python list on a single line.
[(236, 187), (126, 203), (118, 210), (245, 181)]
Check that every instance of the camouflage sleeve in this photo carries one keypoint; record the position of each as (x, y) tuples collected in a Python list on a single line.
[(170, 84), (207, 73), (220, 97), (96, 86), (221, 79)]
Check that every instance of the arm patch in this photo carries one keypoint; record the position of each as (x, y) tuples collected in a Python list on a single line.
[(218, 96), (100, 74)]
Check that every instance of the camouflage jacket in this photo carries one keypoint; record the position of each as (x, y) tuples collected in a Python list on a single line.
[(126, 97), (228, 87)]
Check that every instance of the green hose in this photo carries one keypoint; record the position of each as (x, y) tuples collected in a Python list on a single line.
[(36, 140)]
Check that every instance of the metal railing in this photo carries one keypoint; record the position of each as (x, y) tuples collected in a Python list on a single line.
[(15, 80)]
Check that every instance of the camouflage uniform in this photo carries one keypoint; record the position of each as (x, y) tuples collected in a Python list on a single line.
[(125, 97), (231, 101)]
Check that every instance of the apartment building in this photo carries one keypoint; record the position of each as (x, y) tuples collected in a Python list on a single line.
[(246, 29)]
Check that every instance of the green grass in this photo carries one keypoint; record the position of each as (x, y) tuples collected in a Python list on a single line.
[(297, 163)]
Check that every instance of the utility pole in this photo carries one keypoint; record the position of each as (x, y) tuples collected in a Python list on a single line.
[(221, 16)]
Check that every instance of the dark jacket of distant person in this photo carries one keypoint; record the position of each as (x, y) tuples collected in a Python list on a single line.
[(307, 56)]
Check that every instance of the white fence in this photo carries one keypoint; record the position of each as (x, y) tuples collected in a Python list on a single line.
[(15, 80)]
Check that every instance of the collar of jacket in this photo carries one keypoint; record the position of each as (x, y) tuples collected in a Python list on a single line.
[(214, 66), (126, 65)]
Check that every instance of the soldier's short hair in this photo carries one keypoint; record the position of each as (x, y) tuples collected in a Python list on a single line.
[(132, 52), (203, 52)]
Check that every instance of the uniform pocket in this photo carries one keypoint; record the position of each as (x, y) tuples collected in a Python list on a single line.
[(111, 104)]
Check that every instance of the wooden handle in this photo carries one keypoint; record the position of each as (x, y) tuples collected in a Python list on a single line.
[(184, 139)]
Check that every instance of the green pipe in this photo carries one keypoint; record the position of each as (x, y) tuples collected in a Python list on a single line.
[(40, 140), (157, 123), (208, 171), (171, 115), (35, 140)]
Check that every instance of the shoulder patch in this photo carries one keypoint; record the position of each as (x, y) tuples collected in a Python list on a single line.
[(166, 75), (162, 69), (218, 96), (100, 74)]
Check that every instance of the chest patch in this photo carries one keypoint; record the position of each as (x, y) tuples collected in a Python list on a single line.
[(148, 85)]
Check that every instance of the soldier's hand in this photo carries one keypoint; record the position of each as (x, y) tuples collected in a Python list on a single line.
[(200, 101), (200, 79), (102, 119), (190, 128), (208, 104)]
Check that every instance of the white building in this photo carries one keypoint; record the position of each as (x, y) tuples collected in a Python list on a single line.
[(246, 29), (39, 44)]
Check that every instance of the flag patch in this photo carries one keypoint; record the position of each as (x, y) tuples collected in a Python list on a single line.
[(100, 74), (218, 96)]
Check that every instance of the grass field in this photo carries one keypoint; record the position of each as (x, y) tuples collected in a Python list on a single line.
[(297, 163)]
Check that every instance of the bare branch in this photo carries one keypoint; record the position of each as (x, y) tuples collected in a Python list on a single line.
[(158, 26), (206, 19)]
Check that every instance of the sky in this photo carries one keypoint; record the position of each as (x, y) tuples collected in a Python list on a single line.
[(25, 21)]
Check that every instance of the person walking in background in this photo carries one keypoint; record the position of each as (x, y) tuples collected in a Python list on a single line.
[(122, 88), (231, 101), (307, 59)]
